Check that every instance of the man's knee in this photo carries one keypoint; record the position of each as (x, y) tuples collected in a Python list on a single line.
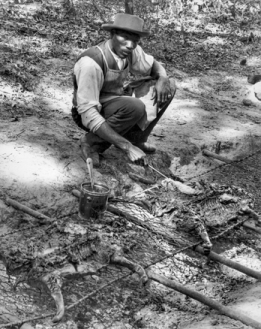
[(135, 108)]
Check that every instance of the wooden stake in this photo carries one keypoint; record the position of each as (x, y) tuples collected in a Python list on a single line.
[(224, 159), (216, 156), (27, 210), (228, 262)]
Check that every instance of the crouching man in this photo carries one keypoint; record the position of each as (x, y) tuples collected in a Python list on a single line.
[(109, 109)]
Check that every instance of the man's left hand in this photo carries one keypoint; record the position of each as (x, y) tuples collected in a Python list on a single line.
[(162, 91)]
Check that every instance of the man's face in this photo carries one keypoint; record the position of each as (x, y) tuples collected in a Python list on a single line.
[(123, 43)]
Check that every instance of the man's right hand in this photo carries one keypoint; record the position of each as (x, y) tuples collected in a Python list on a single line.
[(134, 153), (109, 135)]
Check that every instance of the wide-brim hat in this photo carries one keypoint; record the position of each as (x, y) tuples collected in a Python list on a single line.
[(130, 23)]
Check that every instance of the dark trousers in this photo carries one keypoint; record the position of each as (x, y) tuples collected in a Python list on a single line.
[(122, 115)]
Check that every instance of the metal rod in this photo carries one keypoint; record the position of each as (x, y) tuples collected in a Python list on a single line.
[(157, 171), (148, 189)]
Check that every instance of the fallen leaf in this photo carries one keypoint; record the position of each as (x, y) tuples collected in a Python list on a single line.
[(172, 185)]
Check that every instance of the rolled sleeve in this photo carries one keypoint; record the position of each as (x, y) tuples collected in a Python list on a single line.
[(141, 62), (92, 119), (89, 78)]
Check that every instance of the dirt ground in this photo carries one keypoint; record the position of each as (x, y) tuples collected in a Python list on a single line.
[(40, 164)]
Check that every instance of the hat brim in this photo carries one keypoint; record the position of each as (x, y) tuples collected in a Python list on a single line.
[(109, 27)]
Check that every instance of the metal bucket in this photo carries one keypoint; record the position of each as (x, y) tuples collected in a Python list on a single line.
[(93, 202)]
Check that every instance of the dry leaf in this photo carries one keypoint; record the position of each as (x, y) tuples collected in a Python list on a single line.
[(172, 185)]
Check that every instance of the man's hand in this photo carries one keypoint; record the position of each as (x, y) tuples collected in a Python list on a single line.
[(109, 135), (134, 153), (162, 91)]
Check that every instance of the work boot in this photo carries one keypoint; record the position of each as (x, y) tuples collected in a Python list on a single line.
[(146, 147), (91, 146)]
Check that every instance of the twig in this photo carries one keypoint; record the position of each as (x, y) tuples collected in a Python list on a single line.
[(21, 132)]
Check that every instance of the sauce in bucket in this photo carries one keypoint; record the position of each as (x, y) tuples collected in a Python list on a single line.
[(93, 202)]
